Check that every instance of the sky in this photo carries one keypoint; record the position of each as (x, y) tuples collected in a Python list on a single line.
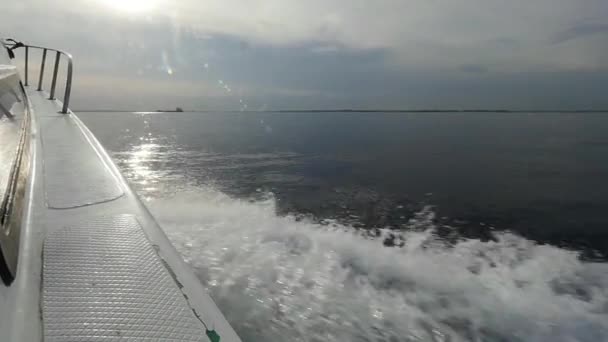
[(325, 54)]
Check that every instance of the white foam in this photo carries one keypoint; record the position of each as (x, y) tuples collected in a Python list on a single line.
[(281, 279)]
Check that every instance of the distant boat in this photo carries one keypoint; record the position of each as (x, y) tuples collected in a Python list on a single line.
[(81, 258), (177, 109)]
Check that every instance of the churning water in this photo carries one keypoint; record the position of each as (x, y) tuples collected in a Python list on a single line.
[(278, 278)]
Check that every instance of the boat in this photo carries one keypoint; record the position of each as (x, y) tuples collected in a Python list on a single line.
[(81, 258)]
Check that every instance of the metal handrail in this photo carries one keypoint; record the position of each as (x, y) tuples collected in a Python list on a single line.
[(12, 44)]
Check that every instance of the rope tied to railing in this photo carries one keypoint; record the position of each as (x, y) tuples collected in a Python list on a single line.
[(15, 45)]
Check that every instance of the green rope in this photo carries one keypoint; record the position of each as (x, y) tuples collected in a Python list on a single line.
[(213, 336)]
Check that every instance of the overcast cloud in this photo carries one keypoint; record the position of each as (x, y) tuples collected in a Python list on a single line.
[(244, 54)]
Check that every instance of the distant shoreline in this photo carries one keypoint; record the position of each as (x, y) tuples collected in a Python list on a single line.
[(351, 111)]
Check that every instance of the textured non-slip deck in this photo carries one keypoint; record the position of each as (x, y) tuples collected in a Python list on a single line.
[(104, 281), (74, 175)]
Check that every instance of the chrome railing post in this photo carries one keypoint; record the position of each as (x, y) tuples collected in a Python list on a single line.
[(58, 57), (27, 53), (68, 86), (42, 69), (54, 81)]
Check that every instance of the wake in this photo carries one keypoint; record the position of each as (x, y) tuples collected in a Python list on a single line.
[(278, 278)]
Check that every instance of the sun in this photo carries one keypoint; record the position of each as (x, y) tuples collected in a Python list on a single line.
[(131, 6)]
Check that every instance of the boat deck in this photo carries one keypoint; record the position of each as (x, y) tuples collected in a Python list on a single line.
[(93, 263)]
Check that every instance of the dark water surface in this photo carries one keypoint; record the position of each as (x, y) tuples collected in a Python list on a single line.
[(541, 175), (499, 219)]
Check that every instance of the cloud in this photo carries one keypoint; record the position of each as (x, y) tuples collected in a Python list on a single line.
[(578, 31), (333, 53), (419, 33)]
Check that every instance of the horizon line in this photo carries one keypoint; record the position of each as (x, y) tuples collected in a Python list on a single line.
[(355, 111)]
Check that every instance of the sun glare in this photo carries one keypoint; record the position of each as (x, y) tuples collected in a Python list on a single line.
[(131, 6)]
